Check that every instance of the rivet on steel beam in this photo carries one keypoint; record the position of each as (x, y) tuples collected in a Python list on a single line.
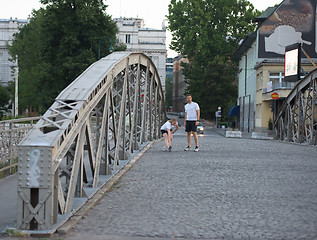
[(27, 184)]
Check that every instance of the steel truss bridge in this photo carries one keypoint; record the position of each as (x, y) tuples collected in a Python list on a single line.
[(111, 110), (296, 120)]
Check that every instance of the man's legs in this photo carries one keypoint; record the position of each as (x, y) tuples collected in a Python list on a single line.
[(195, 138), (189, 138)]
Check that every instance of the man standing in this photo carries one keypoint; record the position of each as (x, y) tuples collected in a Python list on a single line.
[(192, 115)]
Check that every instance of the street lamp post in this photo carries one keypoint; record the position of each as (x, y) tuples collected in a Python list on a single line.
[(110, 48), (16, 98)]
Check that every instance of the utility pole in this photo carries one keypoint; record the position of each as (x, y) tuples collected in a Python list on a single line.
[(16, 99)]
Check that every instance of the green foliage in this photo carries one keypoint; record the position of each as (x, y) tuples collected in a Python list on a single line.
[(168, 91), (207, 32), (58, 44), (270, 124), (207, 28), (215, 88), (223, 124), (4, 98)]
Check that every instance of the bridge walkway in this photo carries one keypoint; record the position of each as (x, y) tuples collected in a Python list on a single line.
[(230, 189)]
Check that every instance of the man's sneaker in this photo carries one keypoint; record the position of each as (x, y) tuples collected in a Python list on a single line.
[(170, 148), (196, 149), (187, 148)]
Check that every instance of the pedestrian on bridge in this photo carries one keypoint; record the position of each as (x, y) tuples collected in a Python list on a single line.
[(167, 130), (192, 116)]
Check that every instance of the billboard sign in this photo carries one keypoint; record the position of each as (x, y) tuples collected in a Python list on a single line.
[(292, 62), (294, 21)]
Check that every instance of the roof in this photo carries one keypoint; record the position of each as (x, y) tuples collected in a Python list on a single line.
[(244, 46), (266, 14)]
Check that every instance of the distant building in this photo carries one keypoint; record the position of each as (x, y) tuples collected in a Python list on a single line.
[(150, 41), (169, 67), (7, 28)]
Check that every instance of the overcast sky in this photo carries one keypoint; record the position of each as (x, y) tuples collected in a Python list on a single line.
[(152, 11)]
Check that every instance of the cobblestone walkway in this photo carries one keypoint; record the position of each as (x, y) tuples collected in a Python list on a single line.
[(231, 189)]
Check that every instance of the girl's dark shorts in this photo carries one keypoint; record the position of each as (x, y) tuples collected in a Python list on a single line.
[(191, 126), (163, 131)]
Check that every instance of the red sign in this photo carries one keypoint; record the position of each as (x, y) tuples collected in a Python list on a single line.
[(275, 95)]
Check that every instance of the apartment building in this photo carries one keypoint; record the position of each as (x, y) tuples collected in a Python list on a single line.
[(138, 38)]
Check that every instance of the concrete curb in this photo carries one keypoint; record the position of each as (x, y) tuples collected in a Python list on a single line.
[(74, 219)]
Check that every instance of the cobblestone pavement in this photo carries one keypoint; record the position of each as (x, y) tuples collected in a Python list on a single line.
[(230, 189)]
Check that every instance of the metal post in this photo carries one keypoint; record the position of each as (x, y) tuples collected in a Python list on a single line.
[(16, 99)]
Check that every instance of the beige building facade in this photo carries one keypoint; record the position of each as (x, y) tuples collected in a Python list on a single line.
[(270, 80)]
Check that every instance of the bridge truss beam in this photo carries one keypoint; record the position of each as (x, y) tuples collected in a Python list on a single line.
[(297, 118), (108, 112)]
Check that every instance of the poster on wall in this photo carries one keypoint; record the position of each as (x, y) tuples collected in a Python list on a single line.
[(294, 21), (292, 62)]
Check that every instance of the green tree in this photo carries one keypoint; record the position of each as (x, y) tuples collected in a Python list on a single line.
[(207, 32), (4, 98), (168, 91), (215, 88), (60, 42), (202, 29)]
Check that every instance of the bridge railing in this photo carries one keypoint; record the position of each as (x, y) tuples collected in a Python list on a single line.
[(11, 134), (296, 120)]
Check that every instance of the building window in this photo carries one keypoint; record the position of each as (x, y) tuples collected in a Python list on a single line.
[(277, 81), (276, 77), (128, 38), (259, 81), (258, 110)]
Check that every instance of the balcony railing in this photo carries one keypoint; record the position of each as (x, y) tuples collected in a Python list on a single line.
[(280, 86)]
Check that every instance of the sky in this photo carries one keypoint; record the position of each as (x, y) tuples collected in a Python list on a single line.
[(152, 11)]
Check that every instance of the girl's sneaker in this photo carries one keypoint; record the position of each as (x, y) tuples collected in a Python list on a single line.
[(170, 148), (187, 148)]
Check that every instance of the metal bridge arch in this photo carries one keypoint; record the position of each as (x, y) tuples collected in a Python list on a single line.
[(297, 118), (113, 108)]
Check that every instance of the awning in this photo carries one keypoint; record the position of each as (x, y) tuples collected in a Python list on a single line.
[(234, 111)]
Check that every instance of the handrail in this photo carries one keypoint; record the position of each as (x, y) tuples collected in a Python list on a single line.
[(11, 134)]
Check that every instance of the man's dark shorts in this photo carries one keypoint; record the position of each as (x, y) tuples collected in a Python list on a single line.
[(191, 126)]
